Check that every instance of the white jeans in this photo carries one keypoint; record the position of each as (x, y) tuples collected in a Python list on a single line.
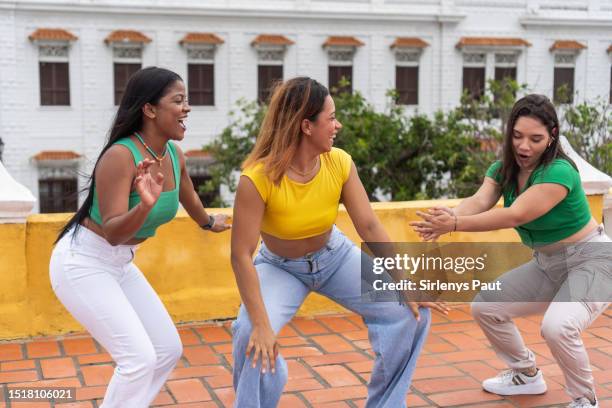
[(536, 284), (105, 292)]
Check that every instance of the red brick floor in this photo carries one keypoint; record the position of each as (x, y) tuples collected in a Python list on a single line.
[(329, 362)]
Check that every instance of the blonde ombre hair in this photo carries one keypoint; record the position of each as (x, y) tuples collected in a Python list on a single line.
[(291, 102)]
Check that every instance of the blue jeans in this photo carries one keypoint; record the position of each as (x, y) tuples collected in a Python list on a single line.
[(333, 271)]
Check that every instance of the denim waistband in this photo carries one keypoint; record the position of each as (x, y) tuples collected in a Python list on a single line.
[(336, 239), (87, 242)]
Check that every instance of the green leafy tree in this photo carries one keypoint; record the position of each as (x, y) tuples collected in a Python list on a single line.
[(588, 128), (418, 156), (232, 146)]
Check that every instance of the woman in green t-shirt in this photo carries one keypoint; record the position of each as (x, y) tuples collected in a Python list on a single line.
[(569, 278)]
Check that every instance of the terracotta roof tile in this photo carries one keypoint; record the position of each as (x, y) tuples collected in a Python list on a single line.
[(127, 36), (201, 38), (197, 154), (56, 155), (492, 42), (567, 45), (272, 39), (342, 41), (409, 42), (52, 34)]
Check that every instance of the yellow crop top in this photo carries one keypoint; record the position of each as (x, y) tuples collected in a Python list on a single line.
[(302, 210)]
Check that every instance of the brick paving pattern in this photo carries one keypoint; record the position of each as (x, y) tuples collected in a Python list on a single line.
[(329, 360)]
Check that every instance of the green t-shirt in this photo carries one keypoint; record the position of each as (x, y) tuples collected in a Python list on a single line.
[(564, 219)]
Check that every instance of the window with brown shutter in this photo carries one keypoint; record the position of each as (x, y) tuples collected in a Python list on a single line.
[(474, 81), (502, 73), (336, 73), (201, 83), (267, 76), (58, 195), (123, 72), (563, 85), (407, 85), (54, 83)]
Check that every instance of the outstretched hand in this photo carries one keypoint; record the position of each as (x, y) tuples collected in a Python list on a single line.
[(436, 221), (147, 186)]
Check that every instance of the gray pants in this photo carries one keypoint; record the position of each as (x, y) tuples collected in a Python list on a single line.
[(571, 287)]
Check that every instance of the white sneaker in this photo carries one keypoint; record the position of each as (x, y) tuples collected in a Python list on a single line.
[(513, 382), (583, 403)]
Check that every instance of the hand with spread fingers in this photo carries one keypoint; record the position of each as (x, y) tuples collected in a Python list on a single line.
[(264, 346), (148, 186), (436, 221)]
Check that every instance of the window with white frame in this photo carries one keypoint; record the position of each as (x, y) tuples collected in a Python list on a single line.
[(505, 68), (565, 53), (57, 181), (474, 74), (341, 52), (563, 82), (201, 49), (407, 52), (489, 58), (271, 50), (127, 47), (407, 75), (127, 59), (53, 65), (340, 70)]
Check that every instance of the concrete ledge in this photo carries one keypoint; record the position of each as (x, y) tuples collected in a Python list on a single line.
[(189, 268)]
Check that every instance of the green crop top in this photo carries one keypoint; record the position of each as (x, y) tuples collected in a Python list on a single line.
[(564, 219), (166, 206)]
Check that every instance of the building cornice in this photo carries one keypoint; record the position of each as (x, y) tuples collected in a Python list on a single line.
[(203, 9), (566, 22)]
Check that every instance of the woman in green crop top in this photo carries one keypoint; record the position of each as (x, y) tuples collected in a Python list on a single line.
[(136, 186), (569, 279)]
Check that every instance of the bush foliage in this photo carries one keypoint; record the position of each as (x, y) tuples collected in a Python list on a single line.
[(407, 157)]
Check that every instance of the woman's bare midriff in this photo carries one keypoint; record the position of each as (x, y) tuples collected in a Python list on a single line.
[(584, 232), (92, 226), (295, 248)]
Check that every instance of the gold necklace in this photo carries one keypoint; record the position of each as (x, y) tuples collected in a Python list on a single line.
[(306, 174)]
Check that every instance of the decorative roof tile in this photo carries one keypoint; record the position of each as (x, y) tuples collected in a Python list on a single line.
[(201, 38), (271, 39), (492, 42), (409, 42), (127, 36), (342, 41), (567, 45), (56, 155), (52, 34)]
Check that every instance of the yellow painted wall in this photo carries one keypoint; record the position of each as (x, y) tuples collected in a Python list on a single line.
[(189, 268)]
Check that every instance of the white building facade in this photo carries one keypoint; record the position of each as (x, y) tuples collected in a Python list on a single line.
[(224, 49)]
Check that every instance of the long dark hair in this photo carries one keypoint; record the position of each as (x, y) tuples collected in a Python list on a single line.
[(145, 86), (292, 101), (541, 108)]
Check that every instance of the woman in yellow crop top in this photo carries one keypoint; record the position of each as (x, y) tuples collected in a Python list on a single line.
[(289, 192), (137, 183)]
